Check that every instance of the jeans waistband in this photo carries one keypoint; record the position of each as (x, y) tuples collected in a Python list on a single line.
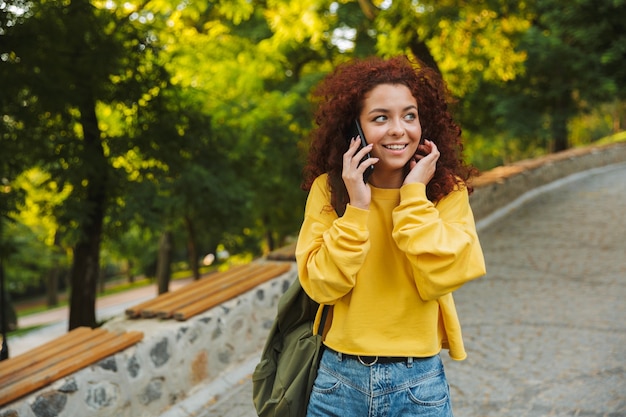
[(372, 360)]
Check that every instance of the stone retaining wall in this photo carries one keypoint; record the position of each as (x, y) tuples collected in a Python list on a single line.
[(174, 357), (502, 185)]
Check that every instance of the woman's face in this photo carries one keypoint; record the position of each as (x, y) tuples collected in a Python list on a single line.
[(390, 122)]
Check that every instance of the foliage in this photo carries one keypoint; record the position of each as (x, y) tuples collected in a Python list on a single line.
[(575, 57), (122, 121), (33, 231)]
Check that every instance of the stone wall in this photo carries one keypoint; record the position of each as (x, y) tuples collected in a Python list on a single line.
[(500, 186), (174, 357)]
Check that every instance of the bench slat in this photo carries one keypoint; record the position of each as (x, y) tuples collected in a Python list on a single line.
[(19, 361), (78, 358), (215, 286), (135, 311), (76, 348), (42, 358), (185, 296), (191, 297), (71, 364), (145, 307), (219, 297)]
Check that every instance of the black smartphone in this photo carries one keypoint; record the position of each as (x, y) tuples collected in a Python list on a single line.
[(357, 131)]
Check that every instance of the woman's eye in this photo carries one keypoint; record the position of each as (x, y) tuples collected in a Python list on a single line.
[(410, 116), (380, 118)]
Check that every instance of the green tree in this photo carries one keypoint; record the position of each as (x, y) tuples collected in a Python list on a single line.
[(243, 63), (60, 60), (189, 120), (40, 254), (596, 34), (575, 63)]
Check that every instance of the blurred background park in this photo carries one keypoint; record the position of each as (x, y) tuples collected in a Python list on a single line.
[(145, 140)]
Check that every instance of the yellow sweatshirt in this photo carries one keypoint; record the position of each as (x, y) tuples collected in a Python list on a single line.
[(389, 272)]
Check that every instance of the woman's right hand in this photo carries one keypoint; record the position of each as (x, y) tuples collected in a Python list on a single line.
[(352, 174), (424, 164)]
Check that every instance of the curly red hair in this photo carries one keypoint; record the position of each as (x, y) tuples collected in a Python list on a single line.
[(339, 100)]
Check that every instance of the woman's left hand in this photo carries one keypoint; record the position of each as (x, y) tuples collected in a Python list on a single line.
[(423, 165)]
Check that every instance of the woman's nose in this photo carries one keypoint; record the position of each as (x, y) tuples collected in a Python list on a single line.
[(396, 128)]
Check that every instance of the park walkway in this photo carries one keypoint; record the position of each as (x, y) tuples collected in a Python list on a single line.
[(545, 329), (54, 322)]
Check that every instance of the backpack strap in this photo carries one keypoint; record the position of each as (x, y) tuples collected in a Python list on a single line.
[(325, 311)]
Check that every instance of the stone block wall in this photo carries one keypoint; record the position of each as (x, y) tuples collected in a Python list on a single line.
[(500, 186), (162, 369), (174, 357)]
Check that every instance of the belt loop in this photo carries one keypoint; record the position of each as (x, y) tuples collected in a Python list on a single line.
[(409, 362), (340, 356)]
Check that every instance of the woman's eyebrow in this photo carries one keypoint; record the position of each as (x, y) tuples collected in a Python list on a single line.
[(381, 110)]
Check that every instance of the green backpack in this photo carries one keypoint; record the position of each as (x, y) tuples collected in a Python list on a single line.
[(283, 379)]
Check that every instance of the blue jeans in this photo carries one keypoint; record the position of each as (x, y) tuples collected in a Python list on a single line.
[(346, 388)]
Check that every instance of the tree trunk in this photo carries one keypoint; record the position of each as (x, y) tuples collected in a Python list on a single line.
[(369, 9), (269, 236), (558, 125), (129, 271), (52, 278), (163, 273), (421, 52), (192, 248), (418, 47), (4, 311), (52, 286), (618, 108), (86, 264)]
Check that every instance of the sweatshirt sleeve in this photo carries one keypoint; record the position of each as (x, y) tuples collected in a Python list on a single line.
[(330, 249), (440, 240)]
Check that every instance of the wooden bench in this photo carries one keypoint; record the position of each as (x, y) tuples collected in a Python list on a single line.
[(58, 358), (83, 346), (208, 292), (286, 253)]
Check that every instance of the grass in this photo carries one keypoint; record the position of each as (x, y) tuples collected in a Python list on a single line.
[(618, 137), (34, 309), (23, 330)]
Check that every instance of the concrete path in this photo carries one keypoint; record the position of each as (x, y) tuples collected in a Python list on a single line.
[(545, 329), (54, 322)]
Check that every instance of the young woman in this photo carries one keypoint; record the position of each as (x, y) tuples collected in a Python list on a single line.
[(387, 253)]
